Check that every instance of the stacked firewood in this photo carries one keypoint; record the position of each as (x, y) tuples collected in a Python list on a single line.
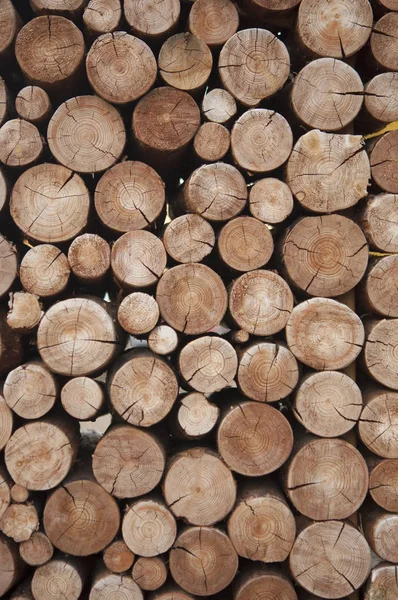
[(198, 248)]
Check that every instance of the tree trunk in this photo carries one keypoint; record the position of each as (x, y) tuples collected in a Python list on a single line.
[(138, 313), (259, 579), (384, 162), (8, 265), (270, 200), (383, 482), (117, 557), (194, 416), (150, 573), (102, 16), (20, 143), (30, 390), (107, 584), (381, 95), (37, 551), (89, 257), (189, 238), (34, 105), (245, 244), (163, 340), (83, 398), (147, 23), (379, 356), (19, 493), (211, 142), (381, 531), (384, 42), (44, 271), (149, 528), (379, 221), (378, 292), (378, 422), (12, 566), (214, 21), (382, 581), (138, 259), (24, 312), (62, 576), (218, 106)]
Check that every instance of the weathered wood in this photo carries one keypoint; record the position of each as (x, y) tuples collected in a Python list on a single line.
[(117, 557), (19, 521), (20, 143), (44, 271), (102, 16), (270, 200), (163, 340), (138, 313), (194, 416), (24, 312), (138, 259), (384, 161), (382, 582), (218, 106), (83, 398), (259, 579), (189, 238), (384, 42), (33, 104), (107, 584), (378, 422), (379, 221), (381, 97), (145, 21), (213, 21), (378, 289), (185, 62), (89, 257), (380, 359), (36, 551), (380, 529), (383, 482), (30, 390), (150, 573), (211, 142), (60, 576), (148, 527)]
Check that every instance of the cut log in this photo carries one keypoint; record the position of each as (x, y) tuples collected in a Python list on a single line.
[(170, 592), (39, 455), (10, 347), (270, 200), (163, 340), (192, 298), (147, 20), (381, 95), (138, 313), (194, 416), (148, 527), (102, 16), (9, 27), (61, 576), (379, 222), (189, 238), (208, 364), (267, 372), (324, 334), (211, 142), (260, 581), (331, 559), (138, 259), (4, 94), (3, 188), (5, 496), (380, 357), (327, 404), (23, 592), (89, 257), (384, 162), (185, 62), (378, 423), (260, 302), (44, 271), (203, 561), (120, 67), (218, 106), (117, 557), (383, 482), (30, 390), (378, 290), (381, 532), (254, 439), (384, 42), (150, 573), (131, 195), (12, 567), (199, 487), (50, 52), (129, 462), (241, 65), (67, 8), (8, 265), (142, 387), (20, 143), (44, 194), (19, 493), (24, 312), (36, 551), (20, 521), (328, 172), (244, 244), (107, 585), (213, 21), (382, 581), (6, 424), (33, 104), (240, 336), (83, 398), (336, 29)]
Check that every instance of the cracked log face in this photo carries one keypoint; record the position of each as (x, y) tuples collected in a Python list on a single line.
[(379, 221), (185, 62), (383, 483), (44, 271), (150, 573), (378, 424), (381, 531), (241, 65), (263, 583), (89, 257), (381, 97), (36, 551), (149, 528), (211, 142), (12, 566), (330, 559), (138, 313), (245, 244), (324, 334), (6, 426), (112, 585), (163, 340), (150, 20), (384, 161), (82, 398), (102, 16), (8, 265), (270, 200), (9, 26), (218, 106), (380, 355), (138, 259), (4, 95), (384, 42), (379, 286), (328, 403), (30, 390), (383, 581), (120, 67), (33, 104), (20, 143), (199, 487), (203, 560), (128, 462), (195, 416), (189, 238), (61, 576), (328, 172), (214, 21), (117, 557)]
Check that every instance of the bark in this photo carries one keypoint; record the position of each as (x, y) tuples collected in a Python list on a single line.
[(83, 398), (44, 271), (30, 390)]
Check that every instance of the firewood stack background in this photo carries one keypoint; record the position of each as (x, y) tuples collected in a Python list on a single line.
[(199, 248)]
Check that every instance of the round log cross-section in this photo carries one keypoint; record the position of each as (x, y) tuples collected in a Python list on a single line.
[(270, 200), (379, 221), (381, 532), (138, 313), (195, 416), (381, 97), (149, 528), (12, 566), (163, 340), (150, 573), (213, 21), (211, 142), (9, 27), (379, 286), (138, 259), (20, 143), (33, 104), (189, 238), (82, 398), (102, 16), (25, 312), (185, 62), (151, 20), (266, 582), (44, 271), (117, 557), (30, 390), (218, 106), (68, 8), (245, 244), (384, 162), (6, 426), (19, 522), (380, 354), (36, 551), (383, 483), (384, 42), (63, 575), (89, 257), (378, 423), (8, 265), (382, 581), (108, 585)]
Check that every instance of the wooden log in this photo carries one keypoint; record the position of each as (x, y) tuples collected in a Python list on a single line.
[(331, 559), (189, 238), (44, 193), (378, 291), (205, 292), (324, 334), (63, 576), (148, 527), (382, 582), (66, 8), (383, 162), (384, 42), (383, 482), (262, 527), (170, 592), (36, 551), (138, 313), (50, 52), (19, 521), (19, 493), (10, 347), (102, 16), (33, 104), (199, 487), (138, 259), (254, 439), (30, 390), (258, 580), (377, 427), (203, 560), (194, 416), (129, 462), (23, 592), (107, 584), (218, 106), (163, 340), (241, 65), (3, 189), (6, 423), (328, 172), (211, 142), (380, 359), (44, 271), (83, 398), (240, 336), (5, 99), (379, 220), (146, 21), (118, 557), (5, 495), (89, 258), (120, 67), (270, 200), (213, 21), (150, 573), (380, 530), (245, 244), (381, 97), (131, 195), (388, 4), (328, 403), (12, 567), (24, 312), (185, 62), (9, 27), (208, 364), (20, 143), (8, 265)]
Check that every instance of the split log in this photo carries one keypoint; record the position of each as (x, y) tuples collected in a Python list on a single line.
[(102, 16), (148, 527), (163, 340), (241, 65), (260, 580), (213, 21), (147, 21), (50, 52), (3, 188), (40, 454), (254, 439), (44, 271), (384, 42), (36, 551), (20, 143), (138, 313), (382, 580), (142, 387), (120, 67), (199, 488), (384, 162), (208, 364), (8, 265), (218, 106), (211, 142), (328, 172), (5, 495), (378, 423), (378, 289), (138, 259), (327, 404), (9, 27), (150, 573), (12, 567), (20, 521), (30, 390), (45, 194), (203, 561), (191, 298), (107, 585), (61, 576), (24, 312), (331, 559), (380, 358), (117, 557), (194, 416), (83, 398), (270, 200), (379, 221), (381, 95), (189, 238), (129, 462), (185, 62), (262, 527), (131, 195), (33, 104), (324, 334), (89, 257), (86, 134), (6, 424), (381, 532), (66, 8), (245, 244), (383, 482)]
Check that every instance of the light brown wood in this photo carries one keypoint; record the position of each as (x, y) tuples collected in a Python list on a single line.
[(327, 403), (63, 576), (382, 582), (10, 347), (379, 220), (170, 592), (148, 20), (241, 65), (191, 298), (44, 271), (218, 106), (138, 259), (138, 313), (6, 423), (267, 372), (258, 581), (380, 358), (185, 62), (107, 584), (254, 439), (379, 286), (83, 398), (328, 172), (5, 495), (330, 558), (213, 21), (20, 521), (195, 416), (239, 336), (117, 557), (3, 188), (22, 592), (271, 8), (12, 567), (8, 265), (203, 561), (148, 527), (20, 143), (189, 238), (102, 16), (129, 462), (19, 493), (378, 423), (211, 142), (380, 529), (199, 487), (89, 258), (270, 200), (30, 390), (384, 161), (381, 97), (67, 8), (150, 573), (36, 551), (4, 93), (33, 104), (244, 244), (163, 340), (384, 42), (383, 482), (24, 312), (324, 334), (9, 27), (388, 4)]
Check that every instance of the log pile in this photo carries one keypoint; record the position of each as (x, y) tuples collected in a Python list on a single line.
[(199, 247)]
